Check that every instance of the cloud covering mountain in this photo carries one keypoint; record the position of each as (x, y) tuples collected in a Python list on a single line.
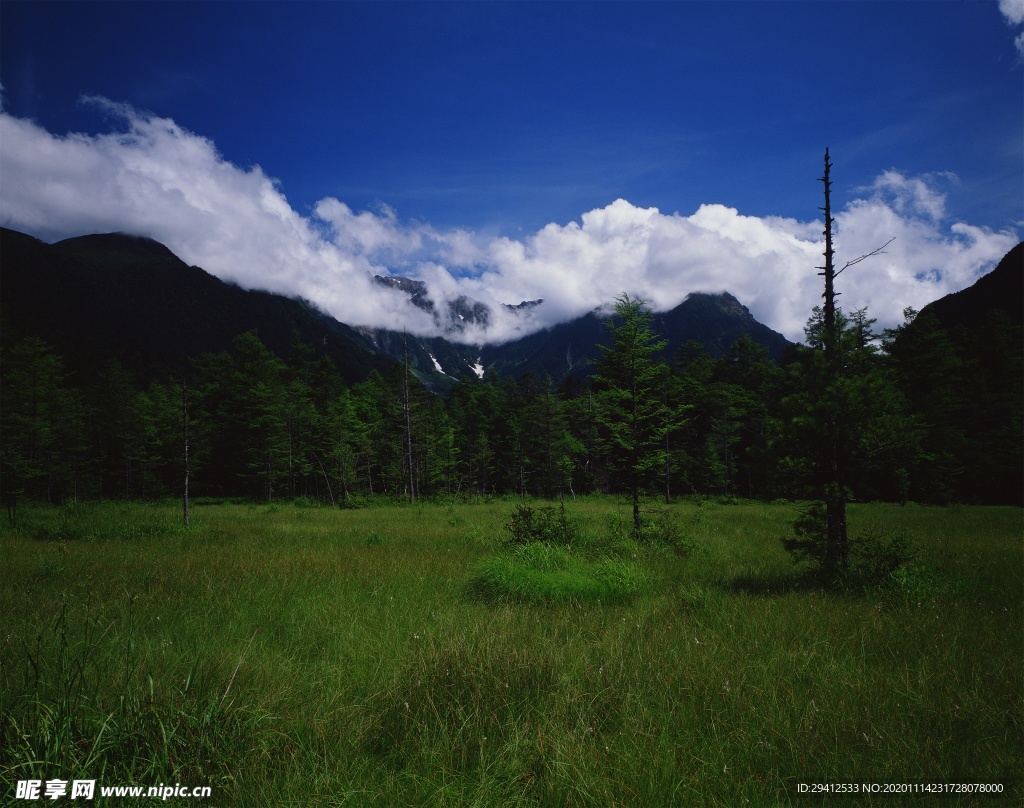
[(149, 176)]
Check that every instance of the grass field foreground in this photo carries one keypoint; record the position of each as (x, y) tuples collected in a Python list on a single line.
[(295, 655)]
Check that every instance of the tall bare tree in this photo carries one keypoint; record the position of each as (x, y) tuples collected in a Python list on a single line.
[(835, 429)]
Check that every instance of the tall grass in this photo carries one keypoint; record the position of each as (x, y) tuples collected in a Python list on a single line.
[(301, 656)]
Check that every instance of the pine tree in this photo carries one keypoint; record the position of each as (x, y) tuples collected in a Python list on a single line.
[(630, 411)]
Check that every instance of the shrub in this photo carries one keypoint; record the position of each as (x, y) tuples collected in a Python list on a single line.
[(661, 531), (546, 524), (873, 556), (62, 531), (876, 555), (809, 546), (658, 531)]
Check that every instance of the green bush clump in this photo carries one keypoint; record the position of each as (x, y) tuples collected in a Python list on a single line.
[(546, 524), (541, 572), (658, 531), (875, 556), (62, 531)]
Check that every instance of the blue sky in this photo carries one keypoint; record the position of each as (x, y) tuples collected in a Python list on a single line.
[(466, 143)]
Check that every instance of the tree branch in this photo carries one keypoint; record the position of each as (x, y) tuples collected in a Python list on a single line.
[(876, 251)]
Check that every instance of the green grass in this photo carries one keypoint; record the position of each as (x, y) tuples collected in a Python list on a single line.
[(544, 573), (291, 655)]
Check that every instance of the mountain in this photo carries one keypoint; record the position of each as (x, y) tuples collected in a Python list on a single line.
[(1002, 289), (435, 361), (115, 295), (961, 365), (455, 315), (714, 321), (102, 296)]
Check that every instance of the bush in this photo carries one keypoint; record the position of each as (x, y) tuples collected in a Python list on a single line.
[(811, 529), (62, 531), (658, 531), (661, 531), (547, 524), (874, 556), (917, 583)]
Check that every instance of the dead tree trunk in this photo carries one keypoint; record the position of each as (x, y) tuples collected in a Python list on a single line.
[(837, 550)]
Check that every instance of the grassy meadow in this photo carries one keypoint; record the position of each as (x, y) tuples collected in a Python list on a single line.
[(294, 655)]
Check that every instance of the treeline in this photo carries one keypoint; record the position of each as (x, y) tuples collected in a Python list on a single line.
[(932, 416)]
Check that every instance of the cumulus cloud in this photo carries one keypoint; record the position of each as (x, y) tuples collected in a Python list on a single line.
[(1013, 10), (768, 263), (156, 179)]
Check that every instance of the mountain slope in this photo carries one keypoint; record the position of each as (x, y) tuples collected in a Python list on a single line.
[(714, 321), (103, 296), (961, 365), (113, 295), (1001, 289)]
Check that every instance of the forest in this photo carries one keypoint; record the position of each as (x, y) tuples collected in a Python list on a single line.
[(933, 414)]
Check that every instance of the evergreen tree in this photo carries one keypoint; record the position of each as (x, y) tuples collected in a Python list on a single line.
[(36, 444), (630, 412), (348, 441), (440, 455), (122, 432)]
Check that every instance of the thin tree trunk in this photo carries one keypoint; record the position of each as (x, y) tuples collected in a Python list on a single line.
[(184, 433), (408, 425), (837, 545), (291, 469), (668, 474), (330, 491)]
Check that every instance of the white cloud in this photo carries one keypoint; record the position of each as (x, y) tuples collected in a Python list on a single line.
[(367, 233), (768, 263), (1013, 10), (159, 180), (915, 196)]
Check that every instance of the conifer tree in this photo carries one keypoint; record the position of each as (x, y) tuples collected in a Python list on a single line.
[(835, 377), (631, 413)]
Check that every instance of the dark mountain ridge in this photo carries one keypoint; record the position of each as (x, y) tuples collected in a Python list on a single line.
[(99, 296), (715, 321), (1001, 289), (103, 296), (114, 295)]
